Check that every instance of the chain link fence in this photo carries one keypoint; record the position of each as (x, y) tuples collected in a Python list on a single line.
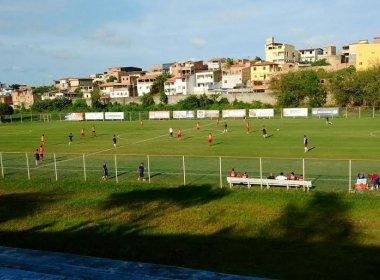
[(325, 174)]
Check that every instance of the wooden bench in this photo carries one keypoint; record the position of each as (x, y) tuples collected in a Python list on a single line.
[(306, 185)]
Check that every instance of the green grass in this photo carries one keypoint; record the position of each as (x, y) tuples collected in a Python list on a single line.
[(326, 164), (269, 233), (272, 233)]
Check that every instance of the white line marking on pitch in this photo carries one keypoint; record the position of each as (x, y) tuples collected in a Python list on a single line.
[(110, 149)]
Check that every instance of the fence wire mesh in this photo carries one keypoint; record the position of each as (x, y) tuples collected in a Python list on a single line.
[(325, 174)]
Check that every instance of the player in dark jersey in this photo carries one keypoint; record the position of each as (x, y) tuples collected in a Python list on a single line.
[(264, 132), (114, 141), (305, 143), (70, 138)]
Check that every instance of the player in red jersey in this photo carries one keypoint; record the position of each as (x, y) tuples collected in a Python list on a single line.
[(82, 132), (209, 139), (179, 134)]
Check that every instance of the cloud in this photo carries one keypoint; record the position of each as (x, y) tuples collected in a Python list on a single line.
[(198, 42), (108, 37)]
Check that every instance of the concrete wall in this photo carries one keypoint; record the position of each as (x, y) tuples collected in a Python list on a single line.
[(247, 97)]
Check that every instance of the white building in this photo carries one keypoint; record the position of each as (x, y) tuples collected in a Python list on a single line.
[(236, 77), (115, 90), (215, 64), (207, 80), (145, 82), (310, 55), (180, 85)]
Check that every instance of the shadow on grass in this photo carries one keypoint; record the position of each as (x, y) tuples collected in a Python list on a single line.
[(317, 240), (20, 205)]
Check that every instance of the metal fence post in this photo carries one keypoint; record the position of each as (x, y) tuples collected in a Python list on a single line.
[(346, 112), (130, 116), (117, 179), (11, 118), (60, 117), (220, 173), (2, 166), (148, 168), (281, 112), (55, 168), (184, 170), (261, 174), (84, 169), (303, 169), (31, 117), (21, 118), (27, 165), (373, 111), (360, 111), (349, 175)]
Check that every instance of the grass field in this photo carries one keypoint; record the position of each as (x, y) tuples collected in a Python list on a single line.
[(271, 233), (326, 164)]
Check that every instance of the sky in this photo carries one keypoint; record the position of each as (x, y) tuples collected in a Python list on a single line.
[(44, 40)]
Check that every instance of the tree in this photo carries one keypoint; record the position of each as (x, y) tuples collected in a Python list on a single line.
[(228, 63), (346, 87), (111, 79), (320, 62), (5, 109), (298, 88), (163, 97), (79, 92), (40, 90), (257, 58), (95, 99), (15, 86), (147, 100), (371, 81), (159, 84)]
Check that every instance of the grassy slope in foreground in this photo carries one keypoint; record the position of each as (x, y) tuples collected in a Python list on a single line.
[(271, 233)]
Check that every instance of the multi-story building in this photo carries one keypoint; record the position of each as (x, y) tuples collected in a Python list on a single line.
[(280, 53), (261, 74), (310, 55), (236, 76), (215, 63), (117, 90), (6, 99), (186, 68), (118, 72), (368, 54), (145, 82), (349, 53), (207, 80), (180, 85), (23, 98), (71, 84)]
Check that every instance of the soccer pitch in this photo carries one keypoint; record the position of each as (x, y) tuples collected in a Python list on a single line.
[(326, 164)]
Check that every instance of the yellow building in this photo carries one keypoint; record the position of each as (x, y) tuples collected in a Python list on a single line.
[(368, 55), (264, 70), (280, 53), (261, 74)]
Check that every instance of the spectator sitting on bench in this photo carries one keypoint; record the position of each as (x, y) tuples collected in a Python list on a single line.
[(281, 177), (292, 176), (360, 175), (375, 180), (271, 176), (245, 175), (232, 173), (300, 178)]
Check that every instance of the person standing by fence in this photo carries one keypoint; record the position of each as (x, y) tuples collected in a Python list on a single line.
[(93, 131), (141, 171), (37, 156), (105, 171), (41, 153)]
